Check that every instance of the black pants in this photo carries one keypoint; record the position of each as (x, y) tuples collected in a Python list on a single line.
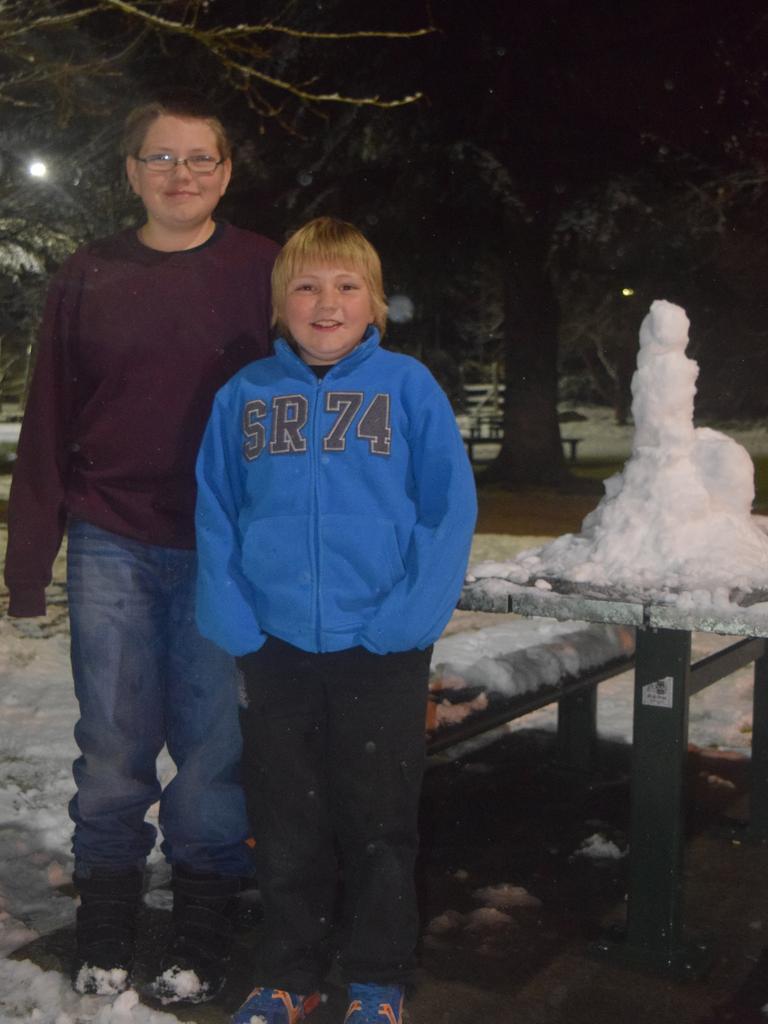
[(333, 761)]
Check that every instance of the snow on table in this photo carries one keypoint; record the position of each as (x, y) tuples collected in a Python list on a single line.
[(516, 658)]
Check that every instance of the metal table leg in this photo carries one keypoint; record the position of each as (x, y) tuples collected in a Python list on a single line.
[(654, 936), (577, 730), (758, 801)]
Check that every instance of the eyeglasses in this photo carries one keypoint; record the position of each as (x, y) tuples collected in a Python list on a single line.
[(164, 163)]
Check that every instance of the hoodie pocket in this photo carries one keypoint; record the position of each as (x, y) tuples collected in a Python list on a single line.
[(360, 562), (277, 562)]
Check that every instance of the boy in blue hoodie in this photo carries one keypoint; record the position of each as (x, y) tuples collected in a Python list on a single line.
[(335, 512)]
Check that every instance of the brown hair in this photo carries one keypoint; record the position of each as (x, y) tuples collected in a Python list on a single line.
[(328, 240), (180, 105)]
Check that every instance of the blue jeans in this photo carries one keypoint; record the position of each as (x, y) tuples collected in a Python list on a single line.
[(145, 677)]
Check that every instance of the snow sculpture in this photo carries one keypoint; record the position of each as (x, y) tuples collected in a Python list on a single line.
[(676, 521)]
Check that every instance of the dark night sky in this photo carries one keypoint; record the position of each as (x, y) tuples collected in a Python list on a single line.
[(612, 79)]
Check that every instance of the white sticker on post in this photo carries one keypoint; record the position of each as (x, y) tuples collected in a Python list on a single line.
[(659, 693)]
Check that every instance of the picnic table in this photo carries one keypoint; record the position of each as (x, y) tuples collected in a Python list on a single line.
[(489, 429), (665, 681)]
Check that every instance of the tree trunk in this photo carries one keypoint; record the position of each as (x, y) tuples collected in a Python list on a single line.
[(531, 452)]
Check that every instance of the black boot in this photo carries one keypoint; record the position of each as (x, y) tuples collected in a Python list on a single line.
[(106, 931), (193, 967)]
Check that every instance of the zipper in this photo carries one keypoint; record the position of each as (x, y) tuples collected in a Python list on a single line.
[(315, 517)]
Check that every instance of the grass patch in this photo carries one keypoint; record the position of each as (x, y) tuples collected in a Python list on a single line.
[(761, 483), (595, 469)]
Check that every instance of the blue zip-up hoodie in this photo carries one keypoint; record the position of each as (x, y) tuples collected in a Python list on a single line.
[(332, 512)]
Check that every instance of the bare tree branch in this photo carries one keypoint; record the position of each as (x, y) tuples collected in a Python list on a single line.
[(244, 31), (242, 50)]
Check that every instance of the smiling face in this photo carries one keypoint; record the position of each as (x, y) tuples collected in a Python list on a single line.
[(327, 311), (179, 204)]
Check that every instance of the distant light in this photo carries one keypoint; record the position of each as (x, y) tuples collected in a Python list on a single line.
[(400, 309), (627, 292), (38, 169)]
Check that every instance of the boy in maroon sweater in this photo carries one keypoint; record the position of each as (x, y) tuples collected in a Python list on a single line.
[(139, 332)]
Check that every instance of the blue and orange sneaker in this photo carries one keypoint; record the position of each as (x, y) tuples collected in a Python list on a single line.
[(375, 1004), (274, 1006)]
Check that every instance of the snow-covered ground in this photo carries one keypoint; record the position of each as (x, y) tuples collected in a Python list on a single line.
[(601, 437), (9, 432), (38, 712)]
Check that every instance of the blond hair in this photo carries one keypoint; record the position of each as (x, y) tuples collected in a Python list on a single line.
[(328, 240), (183, 105)]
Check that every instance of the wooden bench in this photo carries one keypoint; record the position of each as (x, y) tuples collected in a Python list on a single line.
[(490, 430), (575, 696), (483, 430), (572, 443)]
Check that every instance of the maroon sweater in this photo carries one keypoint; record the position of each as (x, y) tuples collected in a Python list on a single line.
[(133, 346)]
